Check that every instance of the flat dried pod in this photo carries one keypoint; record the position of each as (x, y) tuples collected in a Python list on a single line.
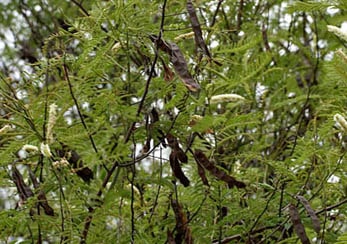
[(74, 159), (24, 191), (183, 230), (43, 202), (298, 226), (199, 40), (201, 172), (178, 61), (173, 143), (182, 156), (177, 170), (311, 213), (181, 68), (220, 174), (170, 238), (154, 116), (168, 73)]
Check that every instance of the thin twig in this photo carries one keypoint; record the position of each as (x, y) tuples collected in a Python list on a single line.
[(261, 214), (159, 186), (329, 208), (132, 179), (80, 7), (127, 137), (85, 12), (239, 16), (91, 210), (216, 12), (239, 236), (67, 78)]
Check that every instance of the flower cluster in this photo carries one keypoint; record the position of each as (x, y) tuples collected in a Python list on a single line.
[(226, 98), (337, 31), (5, 129), (51, 122), (341, 121), (184, 36)]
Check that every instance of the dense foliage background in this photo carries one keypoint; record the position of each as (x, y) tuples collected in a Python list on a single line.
[(113, 130)]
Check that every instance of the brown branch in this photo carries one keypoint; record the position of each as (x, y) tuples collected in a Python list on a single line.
[(240, 236), (329, 208)]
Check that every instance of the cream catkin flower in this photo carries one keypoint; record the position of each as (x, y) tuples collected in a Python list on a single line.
[(340, 120), (342, 55), (52, 118), (337, 31), (226, 98), (194, 119), (45, 150), (184, 36), (116, 47), (4, 129), (29, 148)]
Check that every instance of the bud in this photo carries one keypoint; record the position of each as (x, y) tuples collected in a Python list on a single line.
[(61, 163)]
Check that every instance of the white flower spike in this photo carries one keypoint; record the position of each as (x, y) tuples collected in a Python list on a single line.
[(226, 98), (116, 47), (51, 122), (341, 121), (184, 36), (338, 31), (30, 148), (4, 129), (45, 150)]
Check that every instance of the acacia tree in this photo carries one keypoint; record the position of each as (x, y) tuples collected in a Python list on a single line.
[(173, 121)]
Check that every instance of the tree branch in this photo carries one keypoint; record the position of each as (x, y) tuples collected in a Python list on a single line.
[(127, 137)]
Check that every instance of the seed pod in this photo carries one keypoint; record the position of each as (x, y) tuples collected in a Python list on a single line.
[(177, 170)]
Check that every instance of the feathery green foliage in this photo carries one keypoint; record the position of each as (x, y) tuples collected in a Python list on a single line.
[(161, 134)]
